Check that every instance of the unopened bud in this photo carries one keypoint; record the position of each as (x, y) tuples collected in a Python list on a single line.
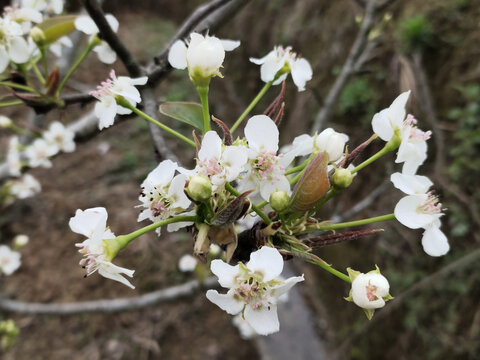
[(199, 188), (37, 35), (342, 178), (5, 121), (279, 200), (20, 241)]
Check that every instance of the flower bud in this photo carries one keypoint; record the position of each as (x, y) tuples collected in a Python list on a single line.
[(37, 35), (5, 121), (279, 200), (332, 143), (20, 241), (199, 188), (205, 56), (342, 178)]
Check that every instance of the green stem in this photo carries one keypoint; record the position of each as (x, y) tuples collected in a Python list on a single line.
[(251, 106), (11, 103), (38, 73), (77, 63), (296, 168), (18, 86), (391, 145), (332, 271), (113, 246), (259, 212), (203, 92), (121, 101), (352, 223)]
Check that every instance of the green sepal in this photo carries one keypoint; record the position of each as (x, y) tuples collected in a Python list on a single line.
[(187, 112), (352, 274), (56, 27), (369, 313)]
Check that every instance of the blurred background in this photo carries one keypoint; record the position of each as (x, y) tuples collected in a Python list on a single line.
[(431, 47)]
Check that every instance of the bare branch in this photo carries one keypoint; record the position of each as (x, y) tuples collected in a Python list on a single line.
[(98, 16), (107, 306), (77, 99)]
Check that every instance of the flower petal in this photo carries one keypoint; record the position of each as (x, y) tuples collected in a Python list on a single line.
[(301, 73), (266, 261), (211, 146), (262, 133), (434, 241), (406, 212), (86, 25), (177, 56), (264, 320), (226, 273), (411, 184), (229, 45), (18, 50), (225, 302)]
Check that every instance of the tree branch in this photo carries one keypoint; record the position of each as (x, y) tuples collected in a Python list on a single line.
[(107, 306), (98, 16)]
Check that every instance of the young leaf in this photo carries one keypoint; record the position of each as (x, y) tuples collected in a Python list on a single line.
[(56, 27), (187, 112)]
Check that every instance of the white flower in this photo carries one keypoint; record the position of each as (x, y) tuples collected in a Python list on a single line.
[(284, 60), (23, 16), (56, 47), (254, 289), (330, 141), (92, 223), (107, 108), (413, 147), (265, 169), (12, 45), (9, 260), (20, 240), (13, 157), (86, 25), (220, 163), (163, 195), (47, 6), (187, 263), (39, 152), (24, 187), (369, 290), (247, 222), (411, 184), (5, 121), (60, 136), (203, 57)]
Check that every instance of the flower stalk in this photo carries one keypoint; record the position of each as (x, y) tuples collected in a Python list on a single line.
[(203, 92)]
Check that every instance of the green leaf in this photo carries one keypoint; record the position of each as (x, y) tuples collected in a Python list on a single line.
[(187, 112), (56, 27)]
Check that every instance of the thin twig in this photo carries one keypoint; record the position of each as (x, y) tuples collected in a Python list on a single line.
[(82, 99), (107, 306), (98, 16)]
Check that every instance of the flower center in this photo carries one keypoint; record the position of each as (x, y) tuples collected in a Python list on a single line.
[(416, 133), (265, 164), (252, 292), (431, 205), (157, 199), (209, 167), (371, 289), (104, 89)]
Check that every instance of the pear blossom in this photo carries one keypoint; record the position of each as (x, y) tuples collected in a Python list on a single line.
[(60, 136), (12, 45), (9, 260), (203, 56), (86, 25), (265, 169), (187, 263), (163, 195), (14, 162), (46, 6), (107, 107), (254, 289), (276, 65), (220, 163), (39, 152), (24, 16), (24, 187), (330, 141), (369, 290), (92, 223), (391, 121)]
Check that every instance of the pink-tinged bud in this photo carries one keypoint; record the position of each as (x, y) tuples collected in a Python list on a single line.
[(312, 186)]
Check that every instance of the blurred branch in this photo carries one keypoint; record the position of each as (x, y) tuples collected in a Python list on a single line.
[(98, 16), (399, 299), (107, 306), (77, 99), (208, 16), (357, 53)]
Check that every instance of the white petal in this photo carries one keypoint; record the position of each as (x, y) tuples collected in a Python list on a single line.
[(18, 50), (272, 64), (266, 261), (139, 81), (178, 225), (301, 73), (211, 146), (91, 223), (397, 110), (4, 60), (105, 53), (286, 286), (229, 45), (411, 184), (112, 21), (381, 126), (106, 110), (434, 242), (303, 144), (226, 273), (162, 174), (262, 133), (234, 159), (112, 272), (177, 56), (268, 187), (86, 25), (264, 320), (406, 212), (177, 194), (225, 302)]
